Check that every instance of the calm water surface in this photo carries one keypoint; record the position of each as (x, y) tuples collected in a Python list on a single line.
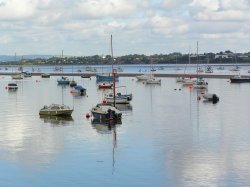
[(167, 137)]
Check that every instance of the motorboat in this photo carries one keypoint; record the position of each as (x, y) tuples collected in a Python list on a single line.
[(17, 76), (104, 85), (144, 77), (63, 81), (45, 75), (56, 110), (78, 90), (208, 97), (239, 79), (12, 86), (106, 112), (153, 81), (200, 83), (119, 98)]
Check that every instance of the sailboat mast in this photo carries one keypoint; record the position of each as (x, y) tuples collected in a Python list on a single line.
[(113, 71), (112, 58), (197, 58)]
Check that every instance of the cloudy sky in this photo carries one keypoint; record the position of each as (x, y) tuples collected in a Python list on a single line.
[(83, 27)]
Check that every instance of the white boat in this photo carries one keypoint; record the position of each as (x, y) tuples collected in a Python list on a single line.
[(119, 98), (17, 76), (56, 110), (144, 77), (188, 81), (200, 83), (12, 86), (153, 81)]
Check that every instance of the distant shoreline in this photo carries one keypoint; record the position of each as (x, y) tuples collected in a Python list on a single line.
[(167, 75)]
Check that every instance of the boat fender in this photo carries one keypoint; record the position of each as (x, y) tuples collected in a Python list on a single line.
[(215, 99), (87, 115)]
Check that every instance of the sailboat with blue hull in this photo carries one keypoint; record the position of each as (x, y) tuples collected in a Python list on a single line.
[(107, 77)]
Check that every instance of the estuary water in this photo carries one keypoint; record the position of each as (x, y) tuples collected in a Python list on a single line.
[(167, 136)]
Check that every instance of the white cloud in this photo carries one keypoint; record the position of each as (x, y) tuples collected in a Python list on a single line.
[(141, 26), (168, 26), (16, 9)]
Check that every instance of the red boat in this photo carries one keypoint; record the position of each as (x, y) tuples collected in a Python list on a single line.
[(105, 85)]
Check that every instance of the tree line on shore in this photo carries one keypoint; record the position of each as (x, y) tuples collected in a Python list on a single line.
[(172, 58)]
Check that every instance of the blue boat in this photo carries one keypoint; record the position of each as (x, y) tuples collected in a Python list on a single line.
[(63, 81), (106, 77), (79, 90)]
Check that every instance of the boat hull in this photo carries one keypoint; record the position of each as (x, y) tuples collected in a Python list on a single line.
[(63, 82), (106, 78), (56, 112), (117, 101), (103, 116), (241, 80)]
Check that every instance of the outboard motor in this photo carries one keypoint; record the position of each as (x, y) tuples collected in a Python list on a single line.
[(215, 99)]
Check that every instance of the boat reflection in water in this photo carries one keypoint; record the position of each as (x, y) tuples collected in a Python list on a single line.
[(124, 107), (57, 120), (103, 126)]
